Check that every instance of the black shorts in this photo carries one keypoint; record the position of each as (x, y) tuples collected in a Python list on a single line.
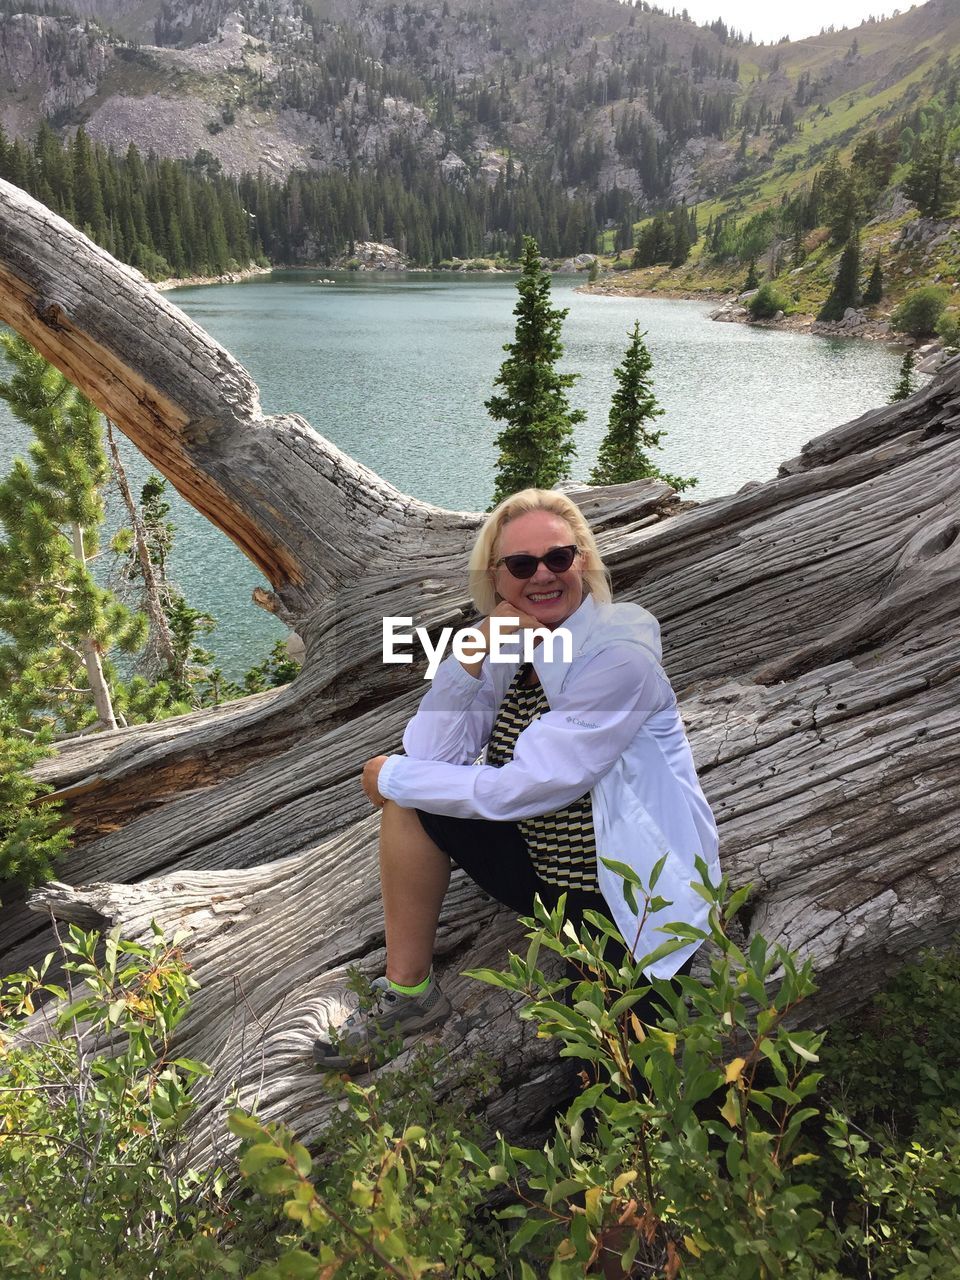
[(495, 856)]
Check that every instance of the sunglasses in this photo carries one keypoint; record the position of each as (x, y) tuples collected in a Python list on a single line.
[(557, 560)]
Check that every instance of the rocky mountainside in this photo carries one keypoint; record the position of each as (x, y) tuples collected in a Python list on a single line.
[(288, 84), (627, 103)]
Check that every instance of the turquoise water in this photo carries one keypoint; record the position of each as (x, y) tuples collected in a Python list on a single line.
[(395, 372)]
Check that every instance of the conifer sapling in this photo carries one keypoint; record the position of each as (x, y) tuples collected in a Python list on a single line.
[(536, 444), (60, 623), (622, 455)]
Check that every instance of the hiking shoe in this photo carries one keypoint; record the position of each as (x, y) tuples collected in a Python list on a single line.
[(364, 1039)]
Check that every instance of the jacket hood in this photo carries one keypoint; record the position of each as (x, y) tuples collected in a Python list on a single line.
[(594, 625)]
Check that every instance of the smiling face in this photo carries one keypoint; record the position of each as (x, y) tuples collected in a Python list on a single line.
[(549, 597)]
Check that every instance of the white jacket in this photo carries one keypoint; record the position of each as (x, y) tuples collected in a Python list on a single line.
[(613, 729)]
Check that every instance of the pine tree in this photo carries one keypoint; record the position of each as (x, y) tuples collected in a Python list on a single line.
[(537, 444), (932, 181), (32, 835), (846, 285), (622, 455), (88, 194), (906, 384), (874, 290), (60, 624), (681, 236)]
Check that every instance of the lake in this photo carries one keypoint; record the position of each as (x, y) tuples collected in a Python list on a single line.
[(395, 370)]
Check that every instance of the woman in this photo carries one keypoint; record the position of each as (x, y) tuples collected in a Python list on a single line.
[(583, 756)]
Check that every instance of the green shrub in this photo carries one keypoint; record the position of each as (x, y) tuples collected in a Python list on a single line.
[(948, 329), (767, 301), (903, 1215), (692, 1148), (389, 1191), (153, 265), (91, 1179), (689, 1149), (704, 1169), (908, 1032), (919, 312)]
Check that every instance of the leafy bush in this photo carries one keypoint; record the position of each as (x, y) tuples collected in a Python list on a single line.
[(903, 1217), (153, 265), (910, 1031), (91, 1181), (388, 1193), (767, 301), (948, 329), (692, 1148), (687, 1151), (919, 312), (695, 1156)]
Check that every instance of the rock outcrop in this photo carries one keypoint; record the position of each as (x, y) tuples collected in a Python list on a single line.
[(48, 67)]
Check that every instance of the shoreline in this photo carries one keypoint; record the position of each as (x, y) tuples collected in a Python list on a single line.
[(615, 290), (229, 277), (730, 312)]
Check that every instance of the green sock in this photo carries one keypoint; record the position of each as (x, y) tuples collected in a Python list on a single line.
[(418, 990)]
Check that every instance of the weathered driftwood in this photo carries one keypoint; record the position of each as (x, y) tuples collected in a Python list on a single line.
[(810, 627)]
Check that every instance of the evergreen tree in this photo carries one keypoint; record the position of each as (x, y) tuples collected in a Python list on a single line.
[(622, 454), (88, 194), (906, 383), (874, 290), (32, 835), (846, 285), (60, 624), (681, 237), (932, 181), (753, 280), (537, 444)]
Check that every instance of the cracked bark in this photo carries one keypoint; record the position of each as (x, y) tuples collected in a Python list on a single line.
[(809, 626)]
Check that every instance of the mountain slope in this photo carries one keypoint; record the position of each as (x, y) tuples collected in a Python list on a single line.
[(631, 106)]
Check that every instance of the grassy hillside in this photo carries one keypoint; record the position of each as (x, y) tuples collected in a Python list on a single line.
[(896, 81)]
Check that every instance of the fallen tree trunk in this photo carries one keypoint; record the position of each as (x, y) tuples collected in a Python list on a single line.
[(809, 625)]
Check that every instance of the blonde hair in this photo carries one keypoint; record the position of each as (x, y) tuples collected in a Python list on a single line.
[(483, 557)]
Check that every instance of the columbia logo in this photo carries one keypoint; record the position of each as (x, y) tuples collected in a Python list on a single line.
[(584, 724)]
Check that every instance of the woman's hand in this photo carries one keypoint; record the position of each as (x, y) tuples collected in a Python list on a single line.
[(369, 778), (512, 615)]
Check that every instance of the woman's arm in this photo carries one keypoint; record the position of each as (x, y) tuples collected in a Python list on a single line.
[(557, 758), (454, 718)]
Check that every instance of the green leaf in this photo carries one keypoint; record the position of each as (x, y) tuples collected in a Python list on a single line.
[(243, 1125), (262, 1154), (656, 872), (299, 1265), (802, 1051), (192, 1066), (493, 978), (528, 1230)]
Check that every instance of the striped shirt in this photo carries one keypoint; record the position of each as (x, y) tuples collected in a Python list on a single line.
[(562, 845)]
